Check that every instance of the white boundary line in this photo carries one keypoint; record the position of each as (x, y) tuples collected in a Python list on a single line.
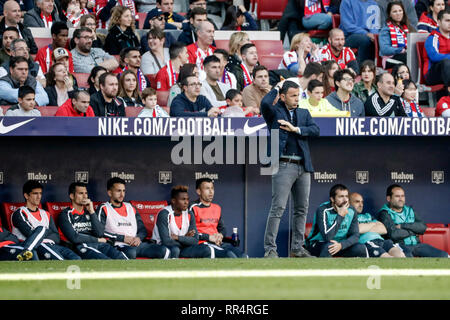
[(222, 274)]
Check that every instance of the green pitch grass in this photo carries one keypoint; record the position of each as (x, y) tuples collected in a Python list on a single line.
[(420, 287)]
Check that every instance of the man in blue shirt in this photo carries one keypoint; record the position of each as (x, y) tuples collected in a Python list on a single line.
[(335, 228), (370, 231)]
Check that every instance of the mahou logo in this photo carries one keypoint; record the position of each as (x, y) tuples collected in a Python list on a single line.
[(401, 177), (212, 176), (39, 176), (325, 177), (128, 177)]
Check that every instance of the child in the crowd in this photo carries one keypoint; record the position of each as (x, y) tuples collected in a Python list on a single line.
[(26, 105), (234, 107), (409, 100), (151, 107), (443, 106), (317, 105)]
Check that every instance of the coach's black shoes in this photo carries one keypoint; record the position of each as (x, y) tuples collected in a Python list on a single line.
[(25, 255), (301, 253)]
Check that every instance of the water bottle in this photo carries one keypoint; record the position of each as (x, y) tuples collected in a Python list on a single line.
[(235, 237)]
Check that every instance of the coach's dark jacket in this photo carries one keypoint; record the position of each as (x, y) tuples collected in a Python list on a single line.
[(273, 113)]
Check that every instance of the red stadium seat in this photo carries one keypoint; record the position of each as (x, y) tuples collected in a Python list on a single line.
[(429, 111), (222, 44), (55, 208), (132, 111), (270, 62), (149, 212), (142, 16), (8, 209), (438, 238), (308, 228), (42, 42), (82, 79), (378, 59), (269, 47), (421, 52), (270, 9), (323, 34), (435, 225), (163, 97), (336, 20), (47, 111)]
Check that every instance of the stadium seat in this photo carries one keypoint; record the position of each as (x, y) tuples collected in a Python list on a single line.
[(269, 9), (435, 225), (142, 16), (8, 209), (47, 111), (378, 59), (336, 20), (323, 34), (222, 44), (420, 48), (42, 42), (438, 238), (429, 111), (82, 79), (269, 47), (132, 111), (308, 228), (149, 211), (163, 97), (270, 62), (55, 208)]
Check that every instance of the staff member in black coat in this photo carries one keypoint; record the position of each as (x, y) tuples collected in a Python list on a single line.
[(295, 167)]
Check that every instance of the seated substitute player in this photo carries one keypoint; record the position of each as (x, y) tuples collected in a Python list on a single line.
[(122, 223), (80, 225), (208, 218), (27, 219), (335, 228), (176, 229), (12, 249), (404, 226), (370, 230)]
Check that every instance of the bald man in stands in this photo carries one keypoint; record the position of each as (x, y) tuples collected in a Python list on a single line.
[(12, 17), (370, 231)]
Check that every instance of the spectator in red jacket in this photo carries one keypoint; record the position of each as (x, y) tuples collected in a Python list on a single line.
[(443, 106), (78, 106)]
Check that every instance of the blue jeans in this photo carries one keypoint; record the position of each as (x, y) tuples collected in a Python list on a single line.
[(318, 21), (365, 46), (290, 178)]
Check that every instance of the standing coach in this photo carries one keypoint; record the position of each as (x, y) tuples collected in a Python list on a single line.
[(295, 165)]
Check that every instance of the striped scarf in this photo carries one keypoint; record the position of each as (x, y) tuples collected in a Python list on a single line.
[(395, 32)]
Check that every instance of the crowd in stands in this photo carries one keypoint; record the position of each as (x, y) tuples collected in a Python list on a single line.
[(359, 66)]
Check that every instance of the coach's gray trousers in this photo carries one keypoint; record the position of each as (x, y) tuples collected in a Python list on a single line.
[(290, 178)]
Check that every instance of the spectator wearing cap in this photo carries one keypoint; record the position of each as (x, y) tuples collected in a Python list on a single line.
[(172, 18), (19, 48), (13, 18), (60, 34), (59, 85), (157, 18), (121, 31), (42, 16), (26, 105), (77, 106), (158, 56), (85, 57), (17, 77)]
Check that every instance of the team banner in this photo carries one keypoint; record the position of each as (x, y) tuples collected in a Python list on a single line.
[(166, 127)]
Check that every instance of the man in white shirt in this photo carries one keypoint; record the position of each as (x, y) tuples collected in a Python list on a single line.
[(26, 105), (212, 88)]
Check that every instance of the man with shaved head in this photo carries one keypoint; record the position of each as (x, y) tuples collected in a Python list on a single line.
[(203, 47), (336, 51), (370, 231), (12, 16)]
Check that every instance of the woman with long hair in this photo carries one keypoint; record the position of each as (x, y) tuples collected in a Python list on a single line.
[(400, 72), (428, 20), (237, 18), (237, 40), (330, 67), (409, 100), (158, 56), (393, 36), (302, 51), (128, 89), (121, 33), (59, 84), (364, 88), (93, 79)]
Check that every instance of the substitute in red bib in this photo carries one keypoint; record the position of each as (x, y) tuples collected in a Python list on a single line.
[(122, 223)]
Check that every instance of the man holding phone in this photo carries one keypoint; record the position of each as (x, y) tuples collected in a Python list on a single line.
[(80, 225), (335, 229)]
